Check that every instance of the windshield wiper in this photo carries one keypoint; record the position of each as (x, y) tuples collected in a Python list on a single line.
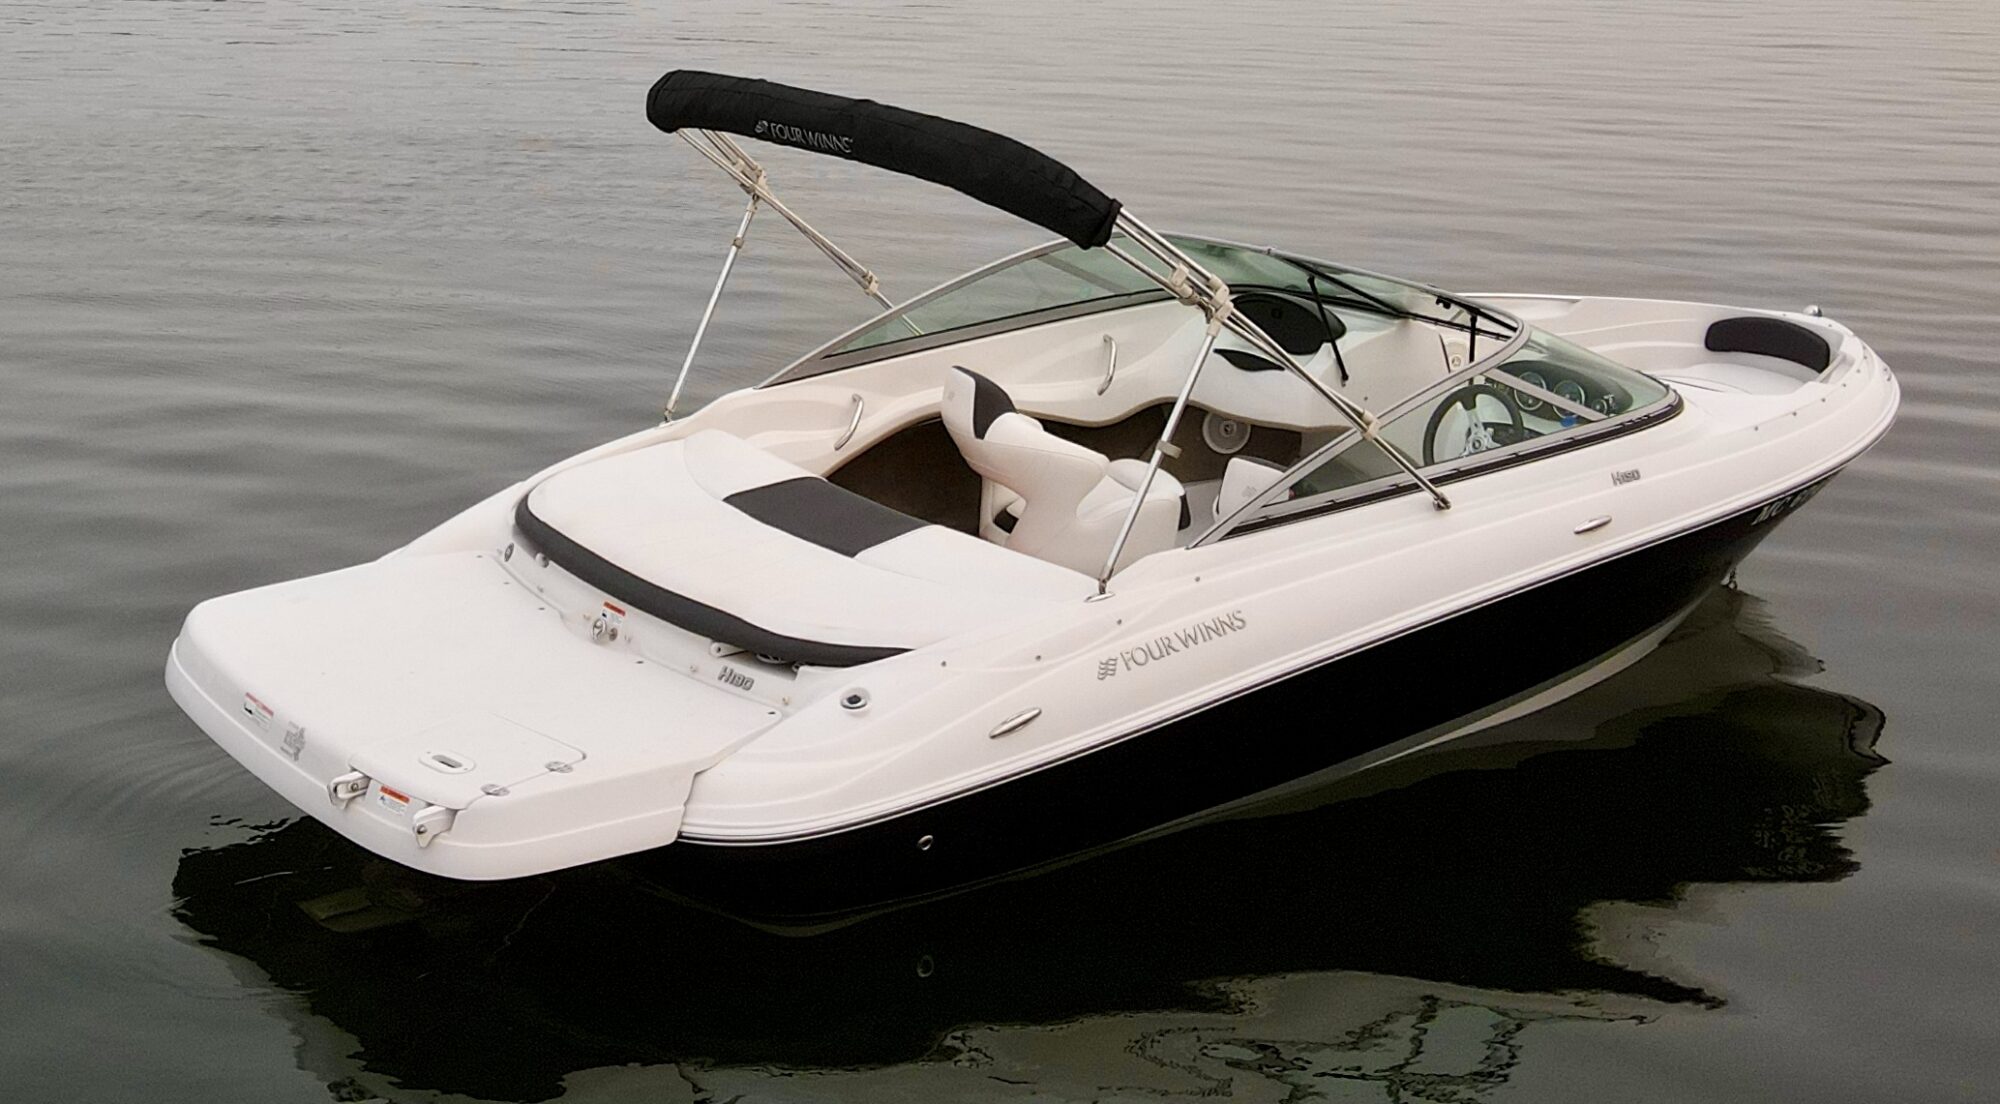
[(1312, 283), (1444, 299), (1314, 270)]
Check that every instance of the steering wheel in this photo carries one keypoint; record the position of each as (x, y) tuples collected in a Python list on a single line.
[(1478, 434)]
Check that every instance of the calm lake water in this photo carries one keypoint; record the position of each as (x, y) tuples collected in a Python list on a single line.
[(283, 284)]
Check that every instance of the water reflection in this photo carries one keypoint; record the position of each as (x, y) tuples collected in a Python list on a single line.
[(1706, 763)]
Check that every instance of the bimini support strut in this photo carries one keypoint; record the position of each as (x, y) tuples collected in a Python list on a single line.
[(1161, 449), (1187, 280), (726, 155), (708, 312)]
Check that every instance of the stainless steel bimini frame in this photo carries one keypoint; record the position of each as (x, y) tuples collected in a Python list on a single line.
[(720, 149), (1187, 280), (1170, 267)]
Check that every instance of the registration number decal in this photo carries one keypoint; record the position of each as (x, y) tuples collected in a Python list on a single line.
[(1782, 506)]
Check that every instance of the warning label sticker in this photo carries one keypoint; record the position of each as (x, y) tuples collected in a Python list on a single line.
[(395, 801)]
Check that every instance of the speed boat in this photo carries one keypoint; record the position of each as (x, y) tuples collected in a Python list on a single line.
[(1101, 537)]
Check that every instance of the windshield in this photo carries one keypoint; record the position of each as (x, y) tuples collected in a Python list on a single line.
[(1063, 280), (1548, 388), (1063, 277)]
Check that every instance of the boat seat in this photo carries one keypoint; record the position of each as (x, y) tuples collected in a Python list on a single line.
[(1243, 479), (729, 542), (1771, 337), (1051, 498)]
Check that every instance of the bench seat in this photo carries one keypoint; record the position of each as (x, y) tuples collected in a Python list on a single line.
[(725, 540)]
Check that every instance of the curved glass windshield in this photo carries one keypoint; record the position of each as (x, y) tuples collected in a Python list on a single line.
[(1547, 388)]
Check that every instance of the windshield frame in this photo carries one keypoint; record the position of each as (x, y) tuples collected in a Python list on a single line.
[(1266, 510)]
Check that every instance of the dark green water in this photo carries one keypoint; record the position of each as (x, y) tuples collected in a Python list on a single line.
[(281, 285)]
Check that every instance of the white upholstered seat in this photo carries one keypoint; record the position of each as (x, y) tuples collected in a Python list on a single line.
[(1243, 479), (1066, 502)]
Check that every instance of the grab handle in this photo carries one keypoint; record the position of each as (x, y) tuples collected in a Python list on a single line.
[(853, 424), (1014, 724)]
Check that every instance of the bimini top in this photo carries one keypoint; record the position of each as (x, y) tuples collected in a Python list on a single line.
[(991, 168), (706, 108)]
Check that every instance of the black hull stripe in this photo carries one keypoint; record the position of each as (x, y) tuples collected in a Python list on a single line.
[(1305, 668), (1337, 710)]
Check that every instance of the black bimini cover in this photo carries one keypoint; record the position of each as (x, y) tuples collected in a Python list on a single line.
[(991, 168)]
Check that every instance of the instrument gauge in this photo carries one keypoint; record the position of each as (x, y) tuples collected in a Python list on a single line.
[(1533, 379), (1606, 404), (1573, 391)]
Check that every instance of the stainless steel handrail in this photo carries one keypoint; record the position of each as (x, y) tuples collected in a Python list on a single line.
[(853, 423)]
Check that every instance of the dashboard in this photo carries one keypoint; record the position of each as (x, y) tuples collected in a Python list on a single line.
[(1581, 388)]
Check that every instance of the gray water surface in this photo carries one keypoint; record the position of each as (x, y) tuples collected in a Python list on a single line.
[(284, 284)]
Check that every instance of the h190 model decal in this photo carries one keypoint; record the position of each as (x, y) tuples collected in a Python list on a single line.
[(1174, 643), (1780, 507)]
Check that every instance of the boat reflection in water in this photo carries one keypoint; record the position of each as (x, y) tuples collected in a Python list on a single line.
[(1705, 763)]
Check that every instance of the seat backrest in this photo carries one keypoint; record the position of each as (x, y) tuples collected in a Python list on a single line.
[(971, 404), (1771, 337), (1244, 479), (1008, 448)]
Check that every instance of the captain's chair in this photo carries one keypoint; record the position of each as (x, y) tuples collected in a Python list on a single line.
[(1051, 498)]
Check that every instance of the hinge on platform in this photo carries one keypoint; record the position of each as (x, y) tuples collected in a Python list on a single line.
[(346, 788)]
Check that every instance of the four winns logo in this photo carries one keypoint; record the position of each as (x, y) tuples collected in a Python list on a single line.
[(1174, 643), (800, 136)]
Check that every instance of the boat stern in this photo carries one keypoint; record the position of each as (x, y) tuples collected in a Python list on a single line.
[(431, 711)]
